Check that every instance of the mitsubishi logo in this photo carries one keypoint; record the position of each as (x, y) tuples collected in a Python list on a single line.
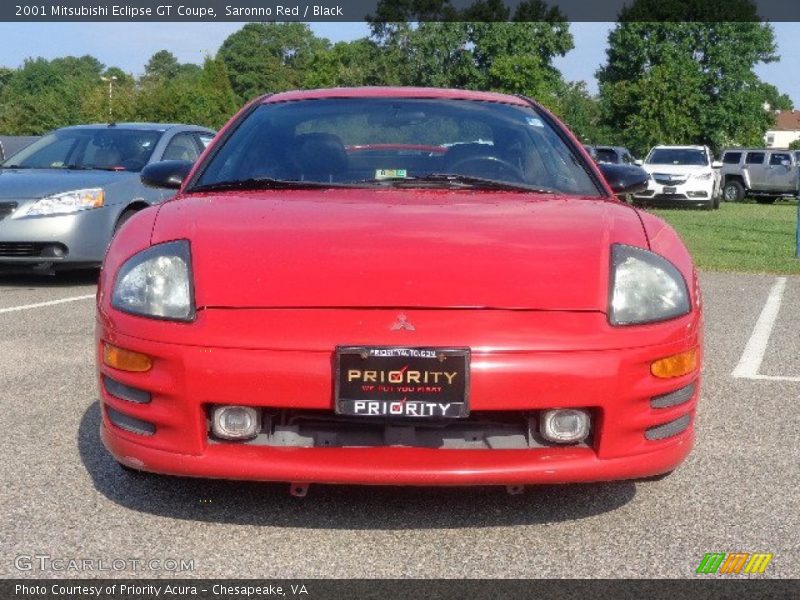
[(402, 323)]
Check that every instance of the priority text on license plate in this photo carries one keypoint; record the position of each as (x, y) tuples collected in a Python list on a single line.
[(402, 382)]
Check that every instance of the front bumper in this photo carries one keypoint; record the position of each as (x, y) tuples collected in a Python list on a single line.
[(290, 371), (690, 193), (81, 238)]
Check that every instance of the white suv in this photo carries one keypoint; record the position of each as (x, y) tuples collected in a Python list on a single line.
[(681, 176)]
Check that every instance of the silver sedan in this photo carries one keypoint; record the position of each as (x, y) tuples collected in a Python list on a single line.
[(63, 197)]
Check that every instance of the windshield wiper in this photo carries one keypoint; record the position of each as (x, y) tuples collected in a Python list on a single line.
[(262, 183), (464, 181), (14, 167), (92, 168)]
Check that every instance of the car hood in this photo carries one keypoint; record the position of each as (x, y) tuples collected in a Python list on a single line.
[(399, 248), (677, 169), (23, 184)]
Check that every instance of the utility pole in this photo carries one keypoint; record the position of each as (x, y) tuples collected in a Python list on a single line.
[(110, 81)]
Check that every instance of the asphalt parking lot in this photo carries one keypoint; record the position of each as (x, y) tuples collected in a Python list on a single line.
[(64, 497)]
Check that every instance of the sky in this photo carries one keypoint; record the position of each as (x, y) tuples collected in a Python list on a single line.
[(130, 45)]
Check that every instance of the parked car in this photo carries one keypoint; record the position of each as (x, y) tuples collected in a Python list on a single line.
[(63, 197), (617, 155), (681, 176), (11, 144), (400, 286), (764, 173)]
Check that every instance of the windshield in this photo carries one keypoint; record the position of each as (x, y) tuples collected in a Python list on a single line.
[(398, 142), (678, 156), (105, 148), (607, 155)]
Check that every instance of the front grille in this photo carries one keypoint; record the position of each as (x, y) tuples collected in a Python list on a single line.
[(670, 197), (324, 429), (6, 208), (21, 249), (668, 180)]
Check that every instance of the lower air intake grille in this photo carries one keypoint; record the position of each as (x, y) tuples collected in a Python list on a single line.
[(20, 249)]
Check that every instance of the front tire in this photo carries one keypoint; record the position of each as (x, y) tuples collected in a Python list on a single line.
[(733, 191), (126, 214)]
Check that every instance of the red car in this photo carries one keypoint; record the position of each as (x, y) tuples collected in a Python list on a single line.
[(398, 286)]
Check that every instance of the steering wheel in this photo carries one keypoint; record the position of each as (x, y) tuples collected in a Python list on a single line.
[(496, 166)]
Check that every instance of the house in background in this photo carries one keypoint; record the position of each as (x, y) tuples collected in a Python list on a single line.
[(785, 131)]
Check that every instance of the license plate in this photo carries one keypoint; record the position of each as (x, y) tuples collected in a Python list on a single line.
[(429, 383), (670, 190)]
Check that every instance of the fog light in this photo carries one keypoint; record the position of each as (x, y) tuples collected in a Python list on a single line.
[(236, 422), (565, 426), (54, 251), (675, 366), (126, 360)]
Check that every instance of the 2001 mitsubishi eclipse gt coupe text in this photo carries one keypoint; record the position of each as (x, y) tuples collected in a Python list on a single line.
[(398, 286)]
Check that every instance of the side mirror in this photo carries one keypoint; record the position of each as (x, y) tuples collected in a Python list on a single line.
[(716, 165), (638, 162), (624, 179), (167, 173)]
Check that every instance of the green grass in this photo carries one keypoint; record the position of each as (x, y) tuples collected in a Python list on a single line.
[(744, 237)]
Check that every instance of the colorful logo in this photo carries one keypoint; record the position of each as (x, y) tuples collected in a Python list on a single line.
[(734, 563)]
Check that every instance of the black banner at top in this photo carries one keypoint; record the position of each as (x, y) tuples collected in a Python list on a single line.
[(391, 10), (411, 589)]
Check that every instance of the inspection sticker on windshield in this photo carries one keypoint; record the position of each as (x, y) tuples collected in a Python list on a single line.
[(390, 174)]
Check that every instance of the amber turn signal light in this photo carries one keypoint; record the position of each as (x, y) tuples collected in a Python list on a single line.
[(676, 365), (126, 360)]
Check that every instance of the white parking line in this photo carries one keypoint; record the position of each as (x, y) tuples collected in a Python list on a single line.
[(43, 304), (771, 378), (753, 355)]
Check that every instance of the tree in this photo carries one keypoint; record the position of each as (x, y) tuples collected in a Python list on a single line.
[(204, 97), (345, 64), (687, 82), (475, 47), (94, 104), (581, 113), (269, 57), (162, 65), (43, 95), (795, 145)]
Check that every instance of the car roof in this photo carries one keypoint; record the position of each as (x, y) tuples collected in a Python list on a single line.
[(137, 126), (757, 150), (394, 92), (679, 147)]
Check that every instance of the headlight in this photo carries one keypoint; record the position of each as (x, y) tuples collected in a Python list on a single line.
[(703, 176), (157, 282), (645, 288), (66, 202)]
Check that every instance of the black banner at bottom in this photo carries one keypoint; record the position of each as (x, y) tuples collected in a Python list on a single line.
[(391, 589)]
